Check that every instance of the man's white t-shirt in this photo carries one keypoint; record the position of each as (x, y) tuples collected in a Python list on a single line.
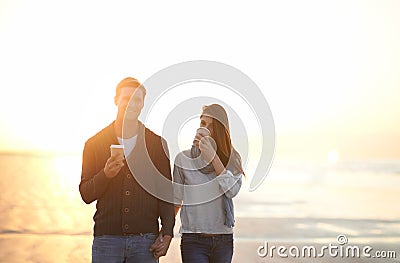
[(129, 144)]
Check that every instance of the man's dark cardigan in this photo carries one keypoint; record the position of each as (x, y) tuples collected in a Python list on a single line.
[(124, 205)]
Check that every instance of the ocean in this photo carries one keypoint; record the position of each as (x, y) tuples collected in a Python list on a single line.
[(43, 218)]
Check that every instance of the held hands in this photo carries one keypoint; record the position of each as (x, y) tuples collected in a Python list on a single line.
[(113, 166), (160, 246)]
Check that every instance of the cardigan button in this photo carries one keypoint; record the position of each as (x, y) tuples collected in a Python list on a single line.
[(126, 210), (129, 176), (126, 226), (127, 192)]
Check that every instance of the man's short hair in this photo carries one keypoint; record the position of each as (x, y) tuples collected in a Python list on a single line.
[(129, 82)]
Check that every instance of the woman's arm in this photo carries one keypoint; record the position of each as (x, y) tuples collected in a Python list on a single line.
[(218, 165), (229, 184), (179, 181)]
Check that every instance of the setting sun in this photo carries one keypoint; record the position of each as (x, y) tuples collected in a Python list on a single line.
[(333, 157)]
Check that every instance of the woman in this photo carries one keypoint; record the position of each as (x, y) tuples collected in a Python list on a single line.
[(206, 181)]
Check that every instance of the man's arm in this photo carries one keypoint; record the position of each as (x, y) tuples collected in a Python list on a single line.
[(93, 183), (166, 208)]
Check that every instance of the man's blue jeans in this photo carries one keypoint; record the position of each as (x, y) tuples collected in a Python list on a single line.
[(199, 248), (127, 249)]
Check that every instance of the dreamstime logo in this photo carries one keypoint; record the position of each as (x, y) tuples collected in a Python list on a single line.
[(226, 77), (342, 239), (342, 250)]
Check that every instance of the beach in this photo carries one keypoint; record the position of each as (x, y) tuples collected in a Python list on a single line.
[(43, 218)]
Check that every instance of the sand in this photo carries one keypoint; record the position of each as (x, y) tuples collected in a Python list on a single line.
[(250, 235)]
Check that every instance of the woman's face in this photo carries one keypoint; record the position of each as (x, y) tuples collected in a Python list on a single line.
[(206, 122)]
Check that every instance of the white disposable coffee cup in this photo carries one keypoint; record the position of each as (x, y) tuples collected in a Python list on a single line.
[(203, 131), (117, 150)]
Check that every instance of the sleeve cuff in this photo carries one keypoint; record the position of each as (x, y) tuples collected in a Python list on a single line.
[(227, 180), (225, 175), (169, 231), (100, 179)]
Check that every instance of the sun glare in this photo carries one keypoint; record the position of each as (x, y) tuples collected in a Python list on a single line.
[(66, 97), (333, 157)]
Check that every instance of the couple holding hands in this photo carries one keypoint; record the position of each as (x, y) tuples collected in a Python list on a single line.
[(128, 214)]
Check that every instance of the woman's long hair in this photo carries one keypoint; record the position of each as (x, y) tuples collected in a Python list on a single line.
[(221, 135)]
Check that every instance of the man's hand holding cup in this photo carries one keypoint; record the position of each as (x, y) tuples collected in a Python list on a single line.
[(115, 162)]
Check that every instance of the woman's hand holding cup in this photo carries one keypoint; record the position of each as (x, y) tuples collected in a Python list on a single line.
[(201, 133)]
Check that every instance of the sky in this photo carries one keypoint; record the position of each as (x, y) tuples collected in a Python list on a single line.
[(328, 69)]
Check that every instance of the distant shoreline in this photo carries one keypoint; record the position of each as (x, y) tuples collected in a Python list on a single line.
[(38, 154)]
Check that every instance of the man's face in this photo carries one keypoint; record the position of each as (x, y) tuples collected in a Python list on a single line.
[(132, 108)]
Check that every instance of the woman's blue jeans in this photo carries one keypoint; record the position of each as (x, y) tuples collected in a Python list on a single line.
[(200, 248), (127, 249)]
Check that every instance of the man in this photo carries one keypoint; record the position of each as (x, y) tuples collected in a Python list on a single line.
[(126, 225)]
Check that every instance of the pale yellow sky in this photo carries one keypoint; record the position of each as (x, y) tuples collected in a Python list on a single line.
[(329, 69)]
